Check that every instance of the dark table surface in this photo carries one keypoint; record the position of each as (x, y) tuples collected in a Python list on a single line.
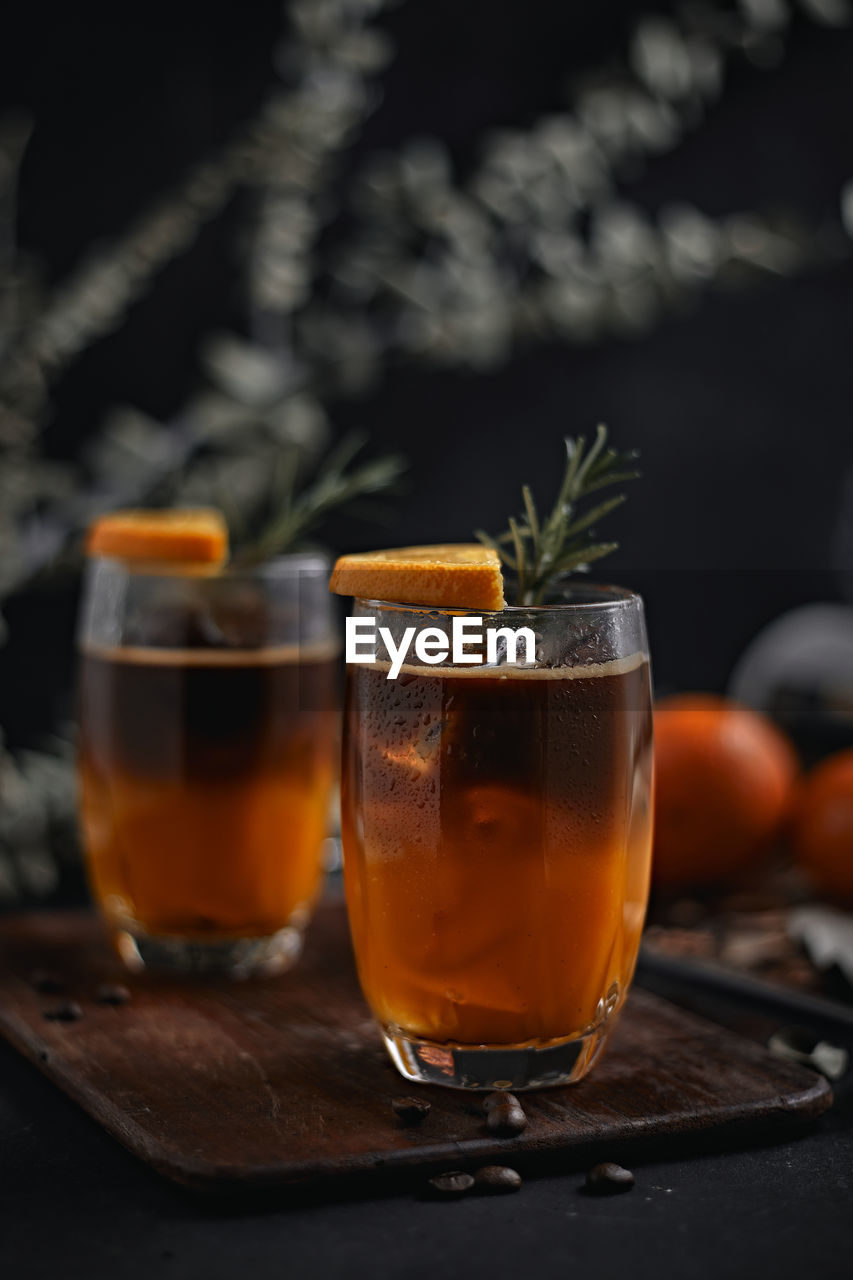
[(74, 1203)]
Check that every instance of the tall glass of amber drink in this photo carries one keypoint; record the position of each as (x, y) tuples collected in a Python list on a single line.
[(208, 730), (496, 822)]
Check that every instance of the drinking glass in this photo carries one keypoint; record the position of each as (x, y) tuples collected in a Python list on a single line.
[(496, 825), (208, 726)]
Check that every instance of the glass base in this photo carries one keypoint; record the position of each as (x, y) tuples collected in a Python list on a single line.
[(512, 1067), (237, 957)]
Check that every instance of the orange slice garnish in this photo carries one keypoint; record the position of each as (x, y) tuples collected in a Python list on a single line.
[(462, 575), (185, 535)]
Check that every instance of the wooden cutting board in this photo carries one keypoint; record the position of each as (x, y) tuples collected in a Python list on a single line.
[(283, 1083)]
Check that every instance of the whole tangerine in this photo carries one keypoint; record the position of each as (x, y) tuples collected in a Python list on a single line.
[(822, 825), (723, 782)]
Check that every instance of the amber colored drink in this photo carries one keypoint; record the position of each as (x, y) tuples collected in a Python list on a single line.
[(205, 776), (497, 839)]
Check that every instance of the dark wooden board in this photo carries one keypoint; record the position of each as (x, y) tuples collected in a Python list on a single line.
[(283, 1083)]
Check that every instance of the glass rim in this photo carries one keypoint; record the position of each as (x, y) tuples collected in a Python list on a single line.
[(289, 564), (609, 597)]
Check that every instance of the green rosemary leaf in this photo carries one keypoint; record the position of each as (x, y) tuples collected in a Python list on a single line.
[(592, 517), (574, 450), (341, 455), (574, 559), (615, 477), (542, 551), (582, 470), (334, 486), (494, 543), (520, 558), (555, 532), (532, 517), (284, 476)]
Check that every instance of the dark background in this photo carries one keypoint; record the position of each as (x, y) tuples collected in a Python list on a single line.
[(740, 403)]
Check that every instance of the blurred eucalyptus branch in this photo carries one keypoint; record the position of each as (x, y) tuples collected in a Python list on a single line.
[(541, 241)]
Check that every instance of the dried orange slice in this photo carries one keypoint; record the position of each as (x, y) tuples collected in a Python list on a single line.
[(462, 575), (186, 535)]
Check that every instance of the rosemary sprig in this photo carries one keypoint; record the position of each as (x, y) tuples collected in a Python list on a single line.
[(541, 553), (296, 511)]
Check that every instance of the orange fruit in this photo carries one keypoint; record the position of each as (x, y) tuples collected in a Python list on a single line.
[(822, 825), (723, 783), (462, 575), (187, 535)]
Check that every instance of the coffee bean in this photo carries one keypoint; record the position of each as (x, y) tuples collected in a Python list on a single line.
[(506, 1119), (112, 993), (609, 1180), (46, 982), (68, 1011), (497, 1179), (451, 1185), (498, 1099), (411, 1110)]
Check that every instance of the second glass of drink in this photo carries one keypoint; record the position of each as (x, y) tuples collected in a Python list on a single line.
[(208, 727)]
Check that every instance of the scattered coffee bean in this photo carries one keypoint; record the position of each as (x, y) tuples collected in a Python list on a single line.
[(497, 1179), (506, 1119), (451, 1185), (411, 1110), (112, 993), (68, 1011), (609, 1179), (46, 982), (498, 1099)]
